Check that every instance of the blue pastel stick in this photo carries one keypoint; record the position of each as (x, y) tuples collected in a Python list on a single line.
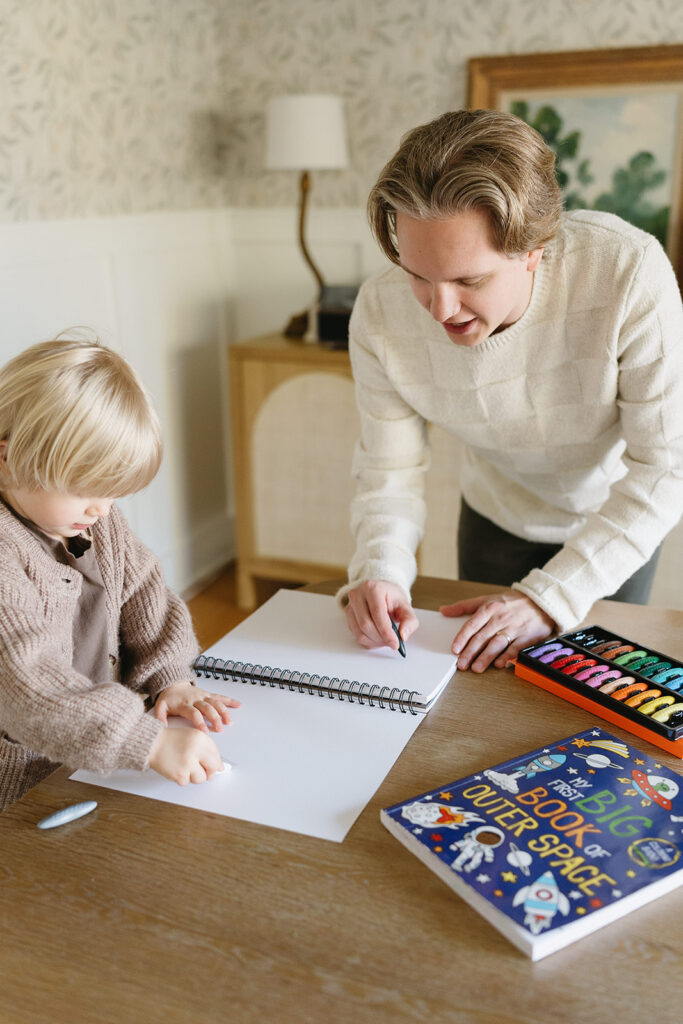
[(68, 814)]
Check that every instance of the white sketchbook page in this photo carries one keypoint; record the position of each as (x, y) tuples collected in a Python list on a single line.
[(307, 632), (304, 763)]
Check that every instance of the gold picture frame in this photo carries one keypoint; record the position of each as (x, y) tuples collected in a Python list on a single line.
[(633, 97)]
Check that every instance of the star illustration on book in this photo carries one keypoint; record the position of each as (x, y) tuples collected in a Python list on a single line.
[(595, 903), (616, 893), (574, 894), (446, 796), (630, 873), (508, 876), (638, 760), (572, 771), (578, 742), (580, 910), (483, 879)]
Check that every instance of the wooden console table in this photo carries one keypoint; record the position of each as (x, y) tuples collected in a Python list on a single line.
[(294, 424), (294, 427)]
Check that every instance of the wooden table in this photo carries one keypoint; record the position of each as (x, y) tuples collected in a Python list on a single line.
[(146, 912)]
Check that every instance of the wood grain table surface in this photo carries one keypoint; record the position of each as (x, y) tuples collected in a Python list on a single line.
[(149, 912)]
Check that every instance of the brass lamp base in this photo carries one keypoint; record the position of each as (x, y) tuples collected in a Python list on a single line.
[(297, 326)]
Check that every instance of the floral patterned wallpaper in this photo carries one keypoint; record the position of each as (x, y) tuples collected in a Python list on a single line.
[(122, 106)]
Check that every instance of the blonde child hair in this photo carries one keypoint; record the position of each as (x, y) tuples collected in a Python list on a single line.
[(76, 418)]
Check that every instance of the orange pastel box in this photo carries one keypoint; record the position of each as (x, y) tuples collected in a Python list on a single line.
[(624, 682)]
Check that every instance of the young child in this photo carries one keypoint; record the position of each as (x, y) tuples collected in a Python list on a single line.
[(90, 636)]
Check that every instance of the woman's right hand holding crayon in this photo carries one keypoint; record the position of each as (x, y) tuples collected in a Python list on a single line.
[(185, 755), (372, 606)]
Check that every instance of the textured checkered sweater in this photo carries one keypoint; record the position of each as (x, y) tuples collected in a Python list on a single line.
[(572, 417), (49, 714)]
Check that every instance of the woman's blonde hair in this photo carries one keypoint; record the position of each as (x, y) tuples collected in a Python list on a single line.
[(75, 418), (471, 159)]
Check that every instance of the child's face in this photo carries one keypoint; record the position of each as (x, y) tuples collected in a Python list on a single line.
[(59, 515)]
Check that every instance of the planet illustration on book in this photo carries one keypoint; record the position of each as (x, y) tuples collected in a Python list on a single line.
[(597, 760), (519, 859), (655, 787)]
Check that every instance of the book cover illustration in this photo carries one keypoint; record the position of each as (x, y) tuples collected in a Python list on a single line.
[(554, 837)]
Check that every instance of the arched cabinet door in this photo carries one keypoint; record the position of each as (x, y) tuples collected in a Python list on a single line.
[(294, 427)]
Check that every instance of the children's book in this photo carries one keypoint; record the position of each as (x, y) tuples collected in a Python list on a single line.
[(321, 720), (552, 845)]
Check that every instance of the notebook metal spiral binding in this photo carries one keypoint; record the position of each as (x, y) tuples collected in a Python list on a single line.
[(305, 682)]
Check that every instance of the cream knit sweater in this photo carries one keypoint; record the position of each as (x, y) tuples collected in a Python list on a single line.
[(48, 712), (572, 417)]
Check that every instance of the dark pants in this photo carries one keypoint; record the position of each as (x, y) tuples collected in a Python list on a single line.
[(487, 554)]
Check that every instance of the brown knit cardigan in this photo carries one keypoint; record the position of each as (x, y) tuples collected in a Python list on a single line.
[(49, 714)]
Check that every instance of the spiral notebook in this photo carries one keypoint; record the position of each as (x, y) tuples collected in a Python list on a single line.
[(322, 720), (300, 641)]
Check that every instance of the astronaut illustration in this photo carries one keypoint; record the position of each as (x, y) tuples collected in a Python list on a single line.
[(542, 900), (476, 846)]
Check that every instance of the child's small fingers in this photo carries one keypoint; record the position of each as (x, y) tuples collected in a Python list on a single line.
[(194, 717), (210, 713)]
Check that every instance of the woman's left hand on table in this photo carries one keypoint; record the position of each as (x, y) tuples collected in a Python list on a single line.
[(498, 627)]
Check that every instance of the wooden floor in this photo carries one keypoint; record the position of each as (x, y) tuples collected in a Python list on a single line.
[(214, 609)]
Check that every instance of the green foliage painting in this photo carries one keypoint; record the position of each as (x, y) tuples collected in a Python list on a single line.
[(631, 186)]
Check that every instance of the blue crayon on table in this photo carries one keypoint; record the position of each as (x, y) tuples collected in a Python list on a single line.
[(401, 645), (68, 814)]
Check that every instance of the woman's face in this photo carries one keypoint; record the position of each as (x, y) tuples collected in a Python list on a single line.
[(458, 275)]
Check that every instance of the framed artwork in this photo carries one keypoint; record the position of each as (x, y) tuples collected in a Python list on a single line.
[(615, 121)]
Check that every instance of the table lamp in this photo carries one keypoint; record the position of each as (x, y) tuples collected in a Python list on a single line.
[(305, 132)]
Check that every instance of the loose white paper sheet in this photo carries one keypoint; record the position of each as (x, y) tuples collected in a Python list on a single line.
[(308, 764)]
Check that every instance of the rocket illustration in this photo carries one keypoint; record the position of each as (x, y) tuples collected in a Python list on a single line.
[(542, 900), (542, 763)]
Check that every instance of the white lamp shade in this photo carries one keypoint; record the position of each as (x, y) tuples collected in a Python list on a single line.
[(306, 131)]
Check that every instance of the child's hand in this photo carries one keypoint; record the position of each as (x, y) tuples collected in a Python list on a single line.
[(194, 704), (185, 755)]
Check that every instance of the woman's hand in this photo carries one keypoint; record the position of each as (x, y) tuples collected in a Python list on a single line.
[(500, 625), (372, 607), (194, 704)]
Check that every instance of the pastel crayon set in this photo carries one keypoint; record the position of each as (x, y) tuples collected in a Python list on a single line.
[(620, 680)]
